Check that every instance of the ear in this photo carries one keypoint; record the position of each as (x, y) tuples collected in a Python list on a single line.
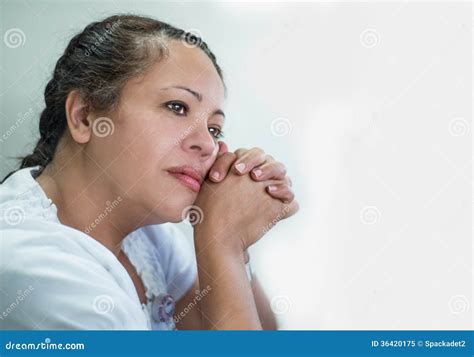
[(78, 117)]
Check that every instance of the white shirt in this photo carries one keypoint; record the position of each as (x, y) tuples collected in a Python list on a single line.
[(53, 276)]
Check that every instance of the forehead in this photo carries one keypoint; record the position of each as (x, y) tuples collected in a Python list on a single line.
[(188, 67)]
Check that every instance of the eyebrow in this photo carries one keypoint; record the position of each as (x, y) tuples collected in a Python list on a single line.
[(195, 94)]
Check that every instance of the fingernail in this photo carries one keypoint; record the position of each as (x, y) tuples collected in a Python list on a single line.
[(215, 175), (257, 172), (272, 188), (240, 167)]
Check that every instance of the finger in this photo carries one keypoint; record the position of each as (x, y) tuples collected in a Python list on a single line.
[(269, 182), (269, 171), (251, 159), (286, 180), (222, 148), (222, 166), (281, 192), (240, 152), (283, 211), (291, 208)]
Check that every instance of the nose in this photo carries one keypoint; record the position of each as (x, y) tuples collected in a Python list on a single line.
[(201, 143)]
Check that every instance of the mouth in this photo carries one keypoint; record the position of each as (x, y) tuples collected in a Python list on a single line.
[(188, 176)]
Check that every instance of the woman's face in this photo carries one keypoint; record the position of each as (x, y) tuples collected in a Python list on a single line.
[(168, 121)]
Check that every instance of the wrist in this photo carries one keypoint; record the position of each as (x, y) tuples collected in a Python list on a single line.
[(221, 242)]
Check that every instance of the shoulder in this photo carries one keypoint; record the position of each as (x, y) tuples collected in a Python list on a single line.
[(53, 276), (51, 281)]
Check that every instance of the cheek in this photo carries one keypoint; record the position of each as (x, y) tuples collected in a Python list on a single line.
[(136, 158), (151, 143)]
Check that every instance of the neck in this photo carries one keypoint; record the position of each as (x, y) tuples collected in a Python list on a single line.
[(86, 202)]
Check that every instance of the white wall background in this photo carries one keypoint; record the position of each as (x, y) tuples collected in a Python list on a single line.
[(377, 136)]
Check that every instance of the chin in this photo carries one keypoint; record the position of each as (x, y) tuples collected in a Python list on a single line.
[(175, 219), (174, 208)]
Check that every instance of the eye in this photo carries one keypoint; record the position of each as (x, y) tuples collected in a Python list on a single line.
[(177, 107), (217, 133)]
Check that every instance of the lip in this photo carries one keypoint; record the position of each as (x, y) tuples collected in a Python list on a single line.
[(188, 176)]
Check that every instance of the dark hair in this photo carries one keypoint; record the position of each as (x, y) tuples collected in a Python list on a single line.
[(97, 62)]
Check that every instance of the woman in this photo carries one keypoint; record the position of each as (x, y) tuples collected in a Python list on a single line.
[(130, 141)]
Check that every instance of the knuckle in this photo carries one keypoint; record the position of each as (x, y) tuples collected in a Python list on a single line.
[(258, 150), (287, 194), (240, 152), (225, 160), (229, 156), (294, 207), (282, 168), (291, 197)]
